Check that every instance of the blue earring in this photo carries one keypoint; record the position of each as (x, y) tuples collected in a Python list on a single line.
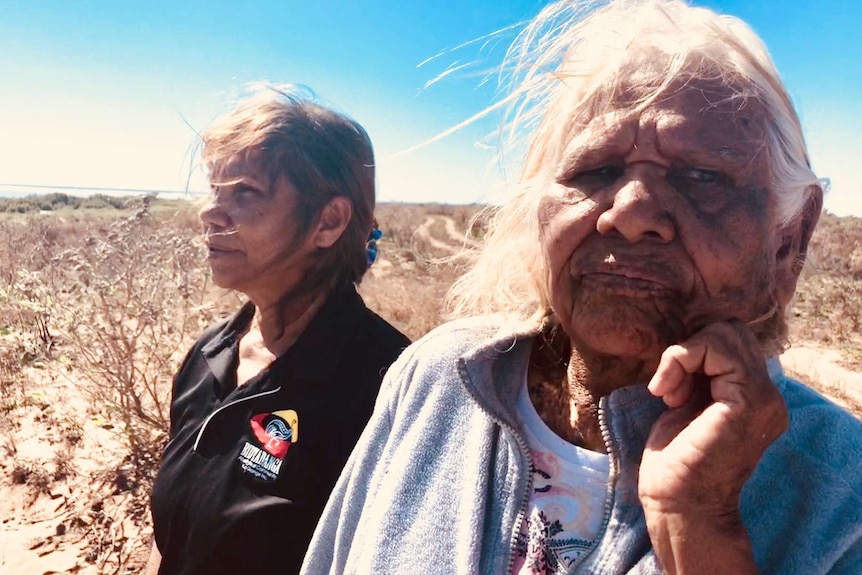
[(371, 244)]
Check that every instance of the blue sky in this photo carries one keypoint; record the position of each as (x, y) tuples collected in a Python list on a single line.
[(108, 94)]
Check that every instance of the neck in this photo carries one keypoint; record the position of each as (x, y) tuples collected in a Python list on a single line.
[(280, 324), (568, 402)]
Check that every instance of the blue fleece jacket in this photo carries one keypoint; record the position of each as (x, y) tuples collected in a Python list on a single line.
[(439, 481)]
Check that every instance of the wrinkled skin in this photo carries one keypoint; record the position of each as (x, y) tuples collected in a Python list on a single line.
[(252, 233), (659, 224), (660, 245)]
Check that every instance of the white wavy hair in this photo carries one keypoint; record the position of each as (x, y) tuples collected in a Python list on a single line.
[(565, 67)]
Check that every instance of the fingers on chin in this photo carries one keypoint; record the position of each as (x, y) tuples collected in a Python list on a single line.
[(681, 394)]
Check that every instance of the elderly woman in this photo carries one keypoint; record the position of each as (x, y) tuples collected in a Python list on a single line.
[(619, 407), (269, 403)]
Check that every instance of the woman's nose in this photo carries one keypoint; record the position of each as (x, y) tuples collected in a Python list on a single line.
[(214, 215), (636, 213)]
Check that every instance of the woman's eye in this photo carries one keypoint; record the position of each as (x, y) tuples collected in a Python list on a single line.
[(240, 193), (698, 176), (241, 190), (709, 190), (595, 177)]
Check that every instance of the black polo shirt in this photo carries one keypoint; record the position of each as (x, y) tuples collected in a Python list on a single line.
[(247, 470)]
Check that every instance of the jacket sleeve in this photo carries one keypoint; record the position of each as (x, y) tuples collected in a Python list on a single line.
[(338, 536), (850, 562)]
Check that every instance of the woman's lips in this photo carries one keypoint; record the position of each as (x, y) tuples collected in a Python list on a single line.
[(216, 251), (629, 283), (632, 268)]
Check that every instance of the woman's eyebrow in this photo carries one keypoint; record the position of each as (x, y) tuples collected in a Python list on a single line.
[(711, 148), (724, 157), (240, 180), (582, 157), (585, 148)]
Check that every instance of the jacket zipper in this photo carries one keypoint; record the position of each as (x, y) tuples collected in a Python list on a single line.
[(612, 478), (522, 445), (225, 406), (525, 500)]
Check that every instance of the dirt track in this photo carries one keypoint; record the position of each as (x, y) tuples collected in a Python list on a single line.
[(459, 239), (822, 368)]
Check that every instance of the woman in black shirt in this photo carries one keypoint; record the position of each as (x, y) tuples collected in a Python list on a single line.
[(269, 403)]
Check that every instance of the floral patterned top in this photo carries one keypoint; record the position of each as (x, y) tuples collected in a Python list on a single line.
[(565, 511)]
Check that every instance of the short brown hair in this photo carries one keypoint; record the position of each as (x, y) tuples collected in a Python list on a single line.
[(321, 152)]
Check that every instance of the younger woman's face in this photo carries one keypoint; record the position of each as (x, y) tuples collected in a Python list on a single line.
[(253, 237)]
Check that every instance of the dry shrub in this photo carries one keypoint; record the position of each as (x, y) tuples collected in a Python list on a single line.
[(28, 279), (828, 304), (12, 398), (140, 290), (113, 303)]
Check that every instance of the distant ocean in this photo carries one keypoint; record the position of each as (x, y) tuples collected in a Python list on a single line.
[(24, 190)]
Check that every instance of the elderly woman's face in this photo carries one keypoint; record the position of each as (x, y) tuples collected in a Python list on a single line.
[(254, 244), (659, 223)]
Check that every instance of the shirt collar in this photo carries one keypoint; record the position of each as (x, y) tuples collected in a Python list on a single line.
[(314, 357)]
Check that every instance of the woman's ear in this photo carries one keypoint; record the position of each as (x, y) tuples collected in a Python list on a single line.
[(333, 220), (791, 254)]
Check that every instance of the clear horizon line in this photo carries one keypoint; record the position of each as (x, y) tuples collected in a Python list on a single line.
[(102, 189)]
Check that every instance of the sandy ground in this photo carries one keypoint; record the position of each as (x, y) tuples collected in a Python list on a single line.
[(823, 367), (67, 516), (60, 507)]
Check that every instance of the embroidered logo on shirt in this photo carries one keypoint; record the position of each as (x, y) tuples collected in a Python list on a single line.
[(275, 432)]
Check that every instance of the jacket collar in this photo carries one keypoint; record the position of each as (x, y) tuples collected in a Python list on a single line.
[(493, 373)]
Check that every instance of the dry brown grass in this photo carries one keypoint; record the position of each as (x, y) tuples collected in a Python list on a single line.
[(415, 268), (105, 307), (109, 302), (828, 305)]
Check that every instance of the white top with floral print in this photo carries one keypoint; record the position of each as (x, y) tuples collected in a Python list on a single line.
[(565, 511)]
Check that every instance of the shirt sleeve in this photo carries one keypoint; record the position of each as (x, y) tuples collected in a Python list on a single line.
[(179, 380)]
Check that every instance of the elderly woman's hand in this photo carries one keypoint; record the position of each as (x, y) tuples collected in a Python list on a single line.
[(724, 414)]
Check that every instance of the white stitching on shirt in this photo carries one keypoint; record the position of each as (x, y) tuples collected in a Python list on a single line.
[(223, 407)]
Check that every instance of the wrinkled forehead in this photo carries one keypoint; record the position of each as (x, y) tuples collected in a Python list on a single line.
[(703, 96), (246, 164), (710, 112)]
